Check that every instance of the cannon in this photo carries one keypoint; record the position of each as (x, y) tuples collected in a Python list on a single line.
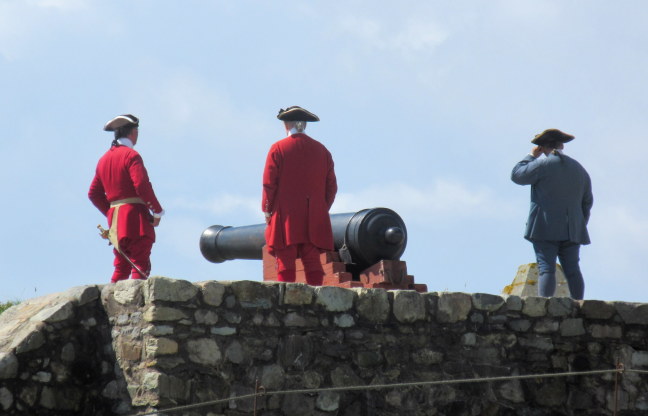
[(362, 238), (368, 246)]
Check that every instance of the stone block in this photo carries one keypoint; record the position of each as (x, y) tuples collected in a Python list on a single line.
[(513, 303), (56, 313), (156, 347), (373, 304), (335, 299), (453, 307), (560, 307), (204, 351), (535, 306), (163, 313), (8, 365), (486, 302), (605, 331), (426, 356), (640, 359), (409, 306), (165, 289), (633, 313), (298, 294), (298, 405), (128, 292), (272, 377), (511, 391), (205, 317), (572, 327), (545, 326), (6, 398), (212, 292), (328, 401), (235, 353), (519, 325), (254, 294), (525, 282), (344, 320), (33, 340), (597, 309)]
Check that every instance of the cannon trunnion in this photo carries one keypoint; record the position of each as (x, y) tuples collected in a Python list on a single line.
[(368, 246)]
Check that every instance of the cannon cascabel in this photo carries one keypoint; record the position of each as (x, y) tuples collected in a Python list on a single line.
[(362, 238)]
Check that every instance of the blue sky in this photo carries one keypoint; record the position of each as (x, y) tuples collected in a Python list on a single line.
[(425, 106)]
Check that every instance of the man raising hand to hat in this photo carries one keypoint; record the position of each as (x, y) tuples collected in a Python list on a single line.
[(561, 200), (299, 187), (122, 192)]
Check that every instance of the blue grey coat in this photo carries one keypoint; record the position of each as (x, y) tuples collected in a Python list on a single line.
[(561, 198)]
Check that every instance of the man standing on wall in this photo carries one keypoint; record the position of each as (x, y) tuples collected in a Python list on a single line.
[(299, 187), (561, 200), (122, 192)]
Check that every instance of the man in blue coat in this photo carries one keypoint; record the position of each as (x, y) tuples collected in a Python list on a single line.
[(561, 200)]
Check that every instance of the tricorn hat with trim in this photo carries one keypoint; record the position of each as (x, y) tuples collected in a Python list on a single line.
[(550, 136), (121, 121), (296, 113)]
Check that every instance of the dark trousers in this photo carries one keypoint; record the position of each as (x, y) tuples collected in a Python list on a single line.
[(568, 253), (310, 257)]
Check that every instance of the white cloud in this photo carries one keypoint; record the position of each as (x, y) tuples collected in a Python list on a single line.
[(447, 199), (413, 37)]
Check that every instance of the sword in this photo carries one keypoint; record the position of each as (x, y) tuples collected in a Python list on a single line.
[(103, 233)]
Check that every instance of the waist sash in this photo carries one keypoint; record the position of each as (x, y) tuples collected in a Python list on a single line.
[(112, 232)]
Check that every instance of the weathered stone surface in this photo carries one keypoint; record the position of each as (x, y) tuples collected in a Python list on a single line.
[(453, 307), (373, 304), (344, 376), (235, 353), (212, 292), (597, 309), (409, 306), (254, 294), (519, 325), (537, 342), (632, 313), (156, 347), (6, 398), (298, 294), (344, 320), (535, 306), (545, 326), (511, 391), (426, 357), (335, 299), (640, 359), (165, 289), (298, 405), (8, 365), (204, 351), (128, 291), (56, 313), (32, 341), (223, 330), (551, 393), (205, 317), (560, 306), (605, 331), (272, 377), (513, 303), (328, 401), (163, 313), (486, 302), (469, 339), (572, 327)]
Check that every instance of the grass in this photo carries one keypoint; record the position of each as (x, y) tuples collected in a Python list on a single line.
[(6, 305)]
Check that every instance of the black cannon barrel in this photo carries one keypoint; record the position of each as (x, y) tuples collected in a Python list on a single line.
[(362, 238)]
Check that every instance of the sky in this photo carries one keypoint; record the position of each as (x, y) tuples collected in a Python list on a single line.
[(426, 106)]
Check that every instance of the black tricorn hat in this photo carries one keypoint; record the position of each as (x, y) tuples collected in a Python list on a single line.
[(121, 121), (552, 135), (296, 113)]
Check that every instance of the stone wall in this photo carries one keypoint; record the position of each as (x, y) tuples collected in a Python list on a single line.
[(162, 343)]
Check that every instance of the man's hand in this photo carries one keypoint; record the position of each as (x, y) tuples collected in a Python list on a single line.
[(537, 151), (156, 221)]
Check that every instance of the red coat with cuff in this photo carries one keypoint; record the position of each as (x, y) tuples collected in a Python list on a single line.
[(121, 174), (299, 187)]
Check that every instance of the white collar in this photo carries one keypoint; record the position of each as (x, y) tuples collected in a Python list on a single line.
[(125, 142)]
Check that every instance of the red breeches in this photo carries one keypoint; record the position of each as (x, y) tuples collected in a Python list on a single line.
[(310, 257), (139, 252)]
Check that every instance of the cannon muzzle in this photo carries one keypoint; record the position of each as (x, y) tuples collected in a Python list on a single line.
[(362, 238)]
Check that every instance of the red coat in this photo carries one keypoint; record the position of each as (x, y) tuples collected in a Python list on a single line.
[(299, 187), (121, 174)]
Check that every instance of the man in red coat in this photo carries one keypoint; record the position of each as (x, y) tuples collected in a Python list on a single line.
[(299, 187), (122, 192)]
